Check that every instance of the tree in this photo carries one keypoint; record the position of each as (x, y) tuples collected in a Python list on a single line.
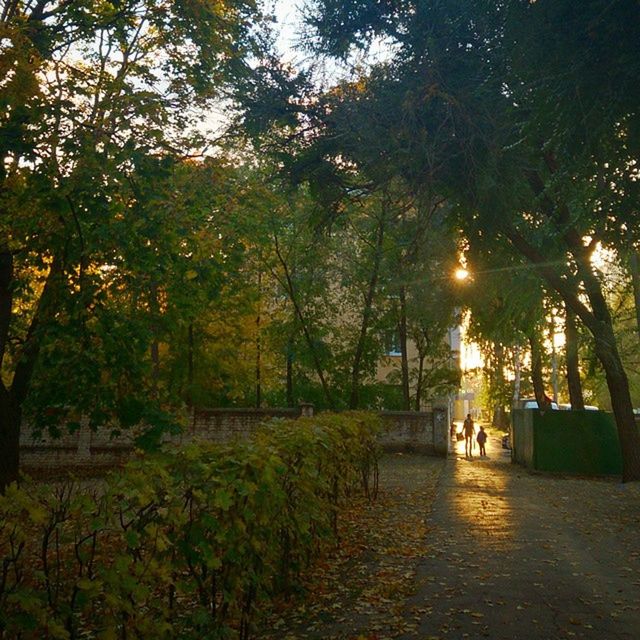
[(574, 384), (91, 90), (497, 132), (422, 257)]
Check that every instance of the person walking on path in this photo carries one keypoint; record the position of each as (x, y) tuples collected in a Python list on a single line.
[(469, 431), (482, 439)]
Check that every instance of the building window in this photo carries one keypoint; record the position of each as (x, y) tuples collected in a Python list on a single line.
[(392, 343)]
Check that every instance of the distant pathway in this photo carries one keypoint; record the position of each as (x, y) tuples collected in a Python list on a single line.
[(517, 555)]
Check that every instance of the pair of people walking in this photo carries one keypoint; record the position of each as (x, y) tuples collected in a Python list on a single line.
[(469, 430)]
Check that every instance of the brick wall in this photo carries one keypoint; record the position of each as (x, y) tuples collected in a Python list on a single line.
[(83, 448), (225, 425), (88, 449), (418, 432), (422, 432)]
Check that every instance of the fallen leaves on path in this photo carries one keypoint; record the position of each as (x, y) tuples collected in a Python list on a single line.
[(358, 593), (560, 557)]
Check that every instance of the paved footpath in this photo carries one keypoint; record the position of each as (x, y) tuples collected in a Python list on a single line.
[(527, 556)]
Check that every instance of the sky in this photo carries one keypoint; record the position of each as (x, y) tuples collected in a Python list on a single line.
[(287, 14), (288, 26)]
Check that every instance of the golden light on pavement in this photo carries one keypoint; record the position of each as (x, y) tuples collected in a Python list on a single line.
[(482, 502)]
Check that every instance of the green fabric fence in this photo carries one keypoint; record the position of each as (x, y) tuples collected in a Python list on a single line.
[(584, 442)]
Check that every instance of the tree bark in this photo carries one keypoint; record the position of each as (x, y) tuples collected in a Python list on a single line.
[(498, 383), (634, 264), (573, 364), (48, 304), (418, 399), (617, 381), (367, 312), (6, 298), (404, 356), (259, 345), (10, 419), (599, 323), (290, 402), (258, 364), (303, 324), (422, 343), (155, 365), (155, 341), (190, 371), (12, 398), (618, 384), (554, 359), (536, 372), (598, 320), (517, 365)]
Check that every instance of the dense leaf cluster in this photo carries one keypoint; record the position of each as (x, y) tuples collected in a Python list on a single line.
[(521, 119), (185, 544)]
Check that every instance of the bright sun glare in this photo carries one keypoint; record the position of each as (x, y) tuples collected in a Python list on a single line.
[(461, 274)]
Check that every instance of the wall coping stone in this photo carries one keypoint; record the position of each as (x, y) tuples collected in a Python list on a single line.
[(405, 414), (230, 411)]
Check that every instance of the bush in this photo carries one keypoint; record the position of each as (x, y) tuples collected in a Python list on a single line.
[(184, 544)]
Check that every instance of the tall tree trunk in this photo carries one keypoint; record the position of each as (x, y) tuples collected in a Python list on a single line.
[(423, 343), (573, 363), (554, 359), (536, 371), (303, 324), (634, 264), (6, 297), (10, 419), (418, 398), (155, 365), (12, 398), (155, 341), (367, 312), (290, 401), (404, 356), (617, 381), (599, 323), (499, 416), (259, 345), (190, 371), (517, 365), (618, 384), (258, 364)]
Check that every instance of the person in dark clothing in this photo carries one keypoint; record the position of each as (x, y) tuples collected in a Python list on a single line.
[(469, 431), (482, 439)]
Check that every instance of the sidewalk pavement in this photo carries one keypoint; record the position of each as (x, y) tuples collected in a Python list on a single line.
[(477, 548), (527, 556)]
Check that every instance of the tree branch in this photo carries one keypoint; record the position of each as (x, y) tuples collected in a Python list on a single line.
[(561, 285), (44, 313)]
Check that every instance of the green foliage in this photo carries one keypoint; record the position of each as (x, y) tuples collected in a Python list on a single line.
[(101, 102), (510, 111), (181, 544)]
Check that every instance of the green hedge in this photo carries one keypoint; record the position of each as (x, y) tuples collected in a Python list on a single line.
[(186, 544)]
